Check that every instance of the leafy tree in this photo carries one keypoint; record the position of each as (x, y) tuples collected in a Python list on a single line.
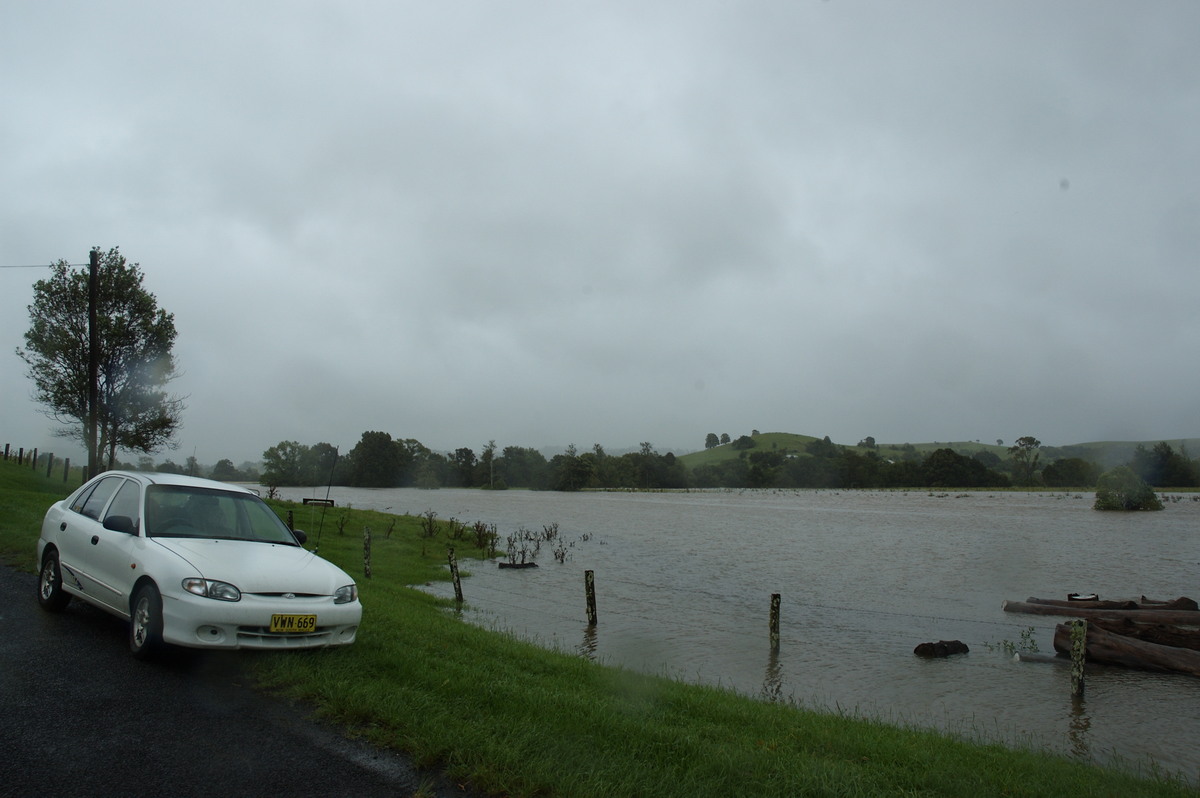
[(724, 437), (1025, 457), (989, 459), (463, 463), (487, 465), (867, 442), (283, 465), (1070, 472), (572, 471), (136, 337), (521, 467), (1122, 489), (1163, 466), (745, 442), (823, 448), (320, 465), (946, 468), (225, 471), (711, 441), (376, 461)]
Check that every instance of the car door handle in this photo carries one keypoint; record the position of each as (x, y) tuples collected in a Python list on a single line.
[(62, 527), (95, 539)]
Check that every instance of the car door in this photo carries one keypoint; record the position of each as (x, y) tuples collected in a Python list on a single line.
[(113, 547), (79, 534)]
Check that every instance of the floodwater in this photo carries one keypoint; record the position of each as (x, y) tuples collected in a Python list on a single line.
[(684, 583)]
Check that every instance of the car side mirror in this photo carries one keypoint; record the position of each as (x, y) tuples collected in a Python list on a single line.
[(120, 523), (301, 538)]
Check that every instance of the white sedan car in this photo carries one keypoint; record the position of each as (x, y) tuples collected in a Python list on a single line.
[(193, 563)]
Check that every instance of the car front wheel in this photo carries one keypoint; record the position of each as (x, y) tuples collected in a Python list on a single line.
[(145, 622), (50, 592)]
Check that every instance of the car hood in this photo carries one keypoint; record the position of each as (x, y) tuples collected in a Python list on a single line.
[(259, 567)]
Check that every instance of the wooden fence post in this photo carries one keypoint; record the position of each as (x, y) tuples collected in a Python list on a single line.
[(49, 464), (589, 587), (33, 460), (291, 521), (774, 620), (367, 551), (458, 596), (1078, 655), (66, 469)]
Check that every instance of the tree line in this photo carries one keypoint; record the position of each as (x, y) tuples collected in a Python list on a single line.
[(378, 460)]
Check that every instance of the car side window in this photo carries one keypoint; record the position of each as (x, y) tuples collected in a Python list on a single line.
[(99, 497), (125, 503)]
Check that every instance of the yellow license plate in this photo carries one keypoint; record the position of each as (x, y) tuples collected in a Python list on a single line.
[(293, 623)]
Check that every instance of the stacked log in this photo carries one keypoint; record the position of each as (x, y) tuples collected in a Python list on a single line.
[(1074, 610), (1144, 634), (1162, 634), (1116, 649)]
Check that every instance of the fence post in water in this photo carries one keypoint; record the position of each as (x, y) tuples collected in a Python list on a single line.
[(774, 620), (367, 551), (458, 596), (589, 587), (1078, 655)]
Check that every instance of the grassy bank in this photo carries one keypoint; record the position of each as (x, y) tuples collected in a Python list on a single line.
[(513, 719)]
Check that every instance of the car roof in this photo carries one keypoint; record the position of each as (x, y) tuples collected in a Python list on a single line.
[(160, 478)]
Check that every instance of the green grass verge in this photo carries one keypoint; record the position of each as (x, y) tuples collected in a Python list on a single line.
[(513, 719)]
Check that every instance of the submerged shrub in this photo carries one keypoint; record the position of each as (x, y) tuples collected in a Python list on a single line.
[(1121, 489)]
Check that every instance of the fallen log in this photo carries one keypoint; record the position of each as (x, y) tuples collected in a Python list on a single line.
[(1181, 603), (1086, 604), (1184, 617), (1114, 649), (1162, 634)]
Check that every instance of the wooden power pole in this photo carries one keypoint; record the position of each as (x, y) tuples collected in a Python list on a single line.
[(93, 408)]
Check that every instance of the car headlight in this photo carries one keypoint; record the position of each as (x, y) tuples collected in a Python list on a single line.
[(345, 594), (211, 588)]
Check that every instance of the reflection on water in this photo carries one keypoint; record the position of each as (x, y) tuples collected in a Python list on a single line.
[(587, 648), (1080, 725), (684, 583), (772, 689)]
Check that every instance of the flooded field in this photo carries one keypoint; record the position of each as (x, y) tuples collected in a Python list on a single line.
[(684, 580)]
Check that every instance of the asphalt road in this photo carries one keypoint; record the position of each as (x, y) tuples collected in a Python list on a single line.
[(80, 716)]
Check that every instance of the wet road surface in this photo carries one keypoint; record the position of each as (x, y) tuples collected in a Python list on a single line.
[(80, 716)]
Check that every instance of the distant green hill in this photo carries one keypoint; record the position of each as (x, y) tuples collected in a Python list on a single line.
[(1104, 453)]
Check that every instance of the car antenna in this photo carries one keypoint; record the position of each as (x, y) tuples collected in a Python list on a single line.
[(325, 504)]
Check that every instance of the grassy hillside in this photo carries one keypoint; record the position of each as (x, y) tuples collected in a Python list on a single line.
[(1104, 453)]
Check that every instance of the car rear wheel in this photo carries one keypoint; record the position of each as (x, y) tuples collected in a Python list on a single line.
[(50, 592), (145, 622)]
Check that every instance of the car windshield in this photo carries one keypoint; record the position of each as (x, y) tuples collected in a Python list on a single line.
[(178, 511)]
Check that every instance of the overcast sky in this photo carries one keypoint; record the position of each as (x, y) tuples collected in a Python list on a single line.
[(614, 222)]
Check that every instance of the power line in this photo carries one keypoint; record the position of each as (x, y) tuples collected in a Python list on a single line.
[(36, 266)]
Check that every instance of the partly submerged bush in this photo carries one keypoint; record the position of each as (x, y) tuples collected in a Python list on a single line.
[(1121, 489)]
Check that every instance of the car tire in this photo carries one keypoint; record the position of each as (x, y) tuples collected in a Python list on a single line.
[(145, 622), (50, 595)]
